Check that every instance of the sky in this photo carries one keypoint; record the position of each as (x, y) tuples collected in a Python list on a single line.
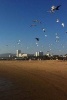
[(18, 29)]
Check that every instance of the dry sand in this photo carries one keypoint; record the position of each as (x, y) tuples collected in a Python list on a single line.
[(33, 80)]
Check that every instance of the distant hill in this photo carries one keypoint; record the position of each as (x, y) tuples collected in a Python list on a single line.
[(7, 55)]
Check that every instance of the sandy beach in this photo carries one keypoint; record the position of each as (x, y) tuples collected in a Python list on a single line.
[(33, 80)]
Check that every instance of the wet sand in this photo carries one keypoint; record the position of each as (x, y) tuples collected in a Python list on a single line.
[(33, 80)]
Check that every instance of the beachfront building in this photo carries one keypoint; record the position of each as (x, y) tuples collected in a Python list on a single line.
[(39, 53), (18, 52), (26, 55), (23, 55)]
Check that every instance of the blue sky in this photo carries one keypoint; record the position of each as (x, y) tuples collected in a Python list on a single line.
[(16, 17)]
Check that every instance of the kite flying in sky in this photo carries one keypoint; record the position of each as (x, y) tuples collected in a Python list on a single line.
[(54, 8), (37, 39)]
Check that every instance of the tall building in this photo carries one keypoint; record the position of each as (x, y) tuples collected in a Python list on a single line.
[(39, 53), (18, 52)]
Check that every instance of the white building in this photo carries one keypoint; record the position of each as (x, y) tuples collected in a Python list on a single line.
[(39, 53), (48, 54), (20, 55), (27, 55), (18, 52), (36, 54)]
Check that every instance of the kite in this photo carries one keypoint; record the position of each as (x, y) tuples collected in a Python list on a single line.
[(33, 25), (57, 20), (43, 29), (54, 8), (62, 24), (37, 39)]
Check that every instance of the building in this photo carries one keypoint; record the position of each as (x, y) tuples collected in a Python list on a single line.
[(20, 55), (39, 53), (18, 52), (48, 54), (26, 55), (23, 55)]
